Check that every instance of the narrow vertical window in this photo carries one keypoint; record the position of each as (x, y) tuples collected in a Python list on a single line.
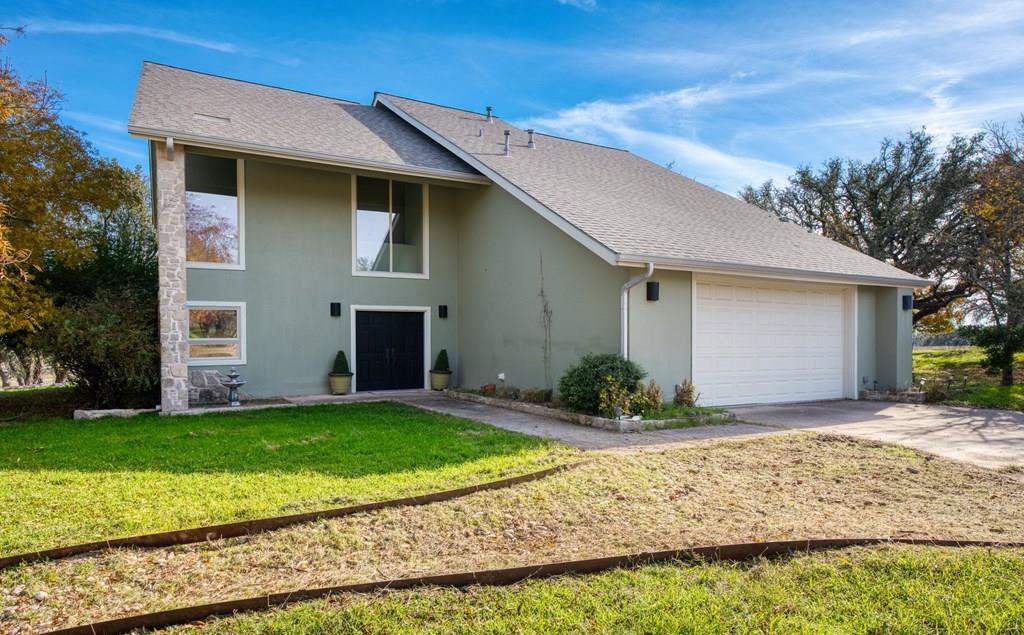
[(390, 227), (212, 211)]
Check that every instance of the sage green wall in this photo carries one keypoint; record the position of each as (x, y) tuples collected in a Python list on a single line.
[(660, 334), (866, 343), (501, 307), (894, 339), (298, 255)]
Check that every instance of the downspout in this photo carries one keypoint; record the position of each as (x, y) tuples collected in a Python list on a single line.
[(624, 306)]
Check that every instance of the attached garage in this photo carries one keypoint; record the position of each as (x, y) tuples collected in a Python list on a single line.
[(771, 341)]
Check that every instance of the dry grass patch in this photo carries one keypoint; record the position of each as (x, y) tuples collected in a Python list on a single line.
[(779, 487)]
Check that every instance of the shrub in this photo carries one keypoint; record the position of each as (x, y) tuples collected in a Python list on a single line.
[(340, 364), (646, 399), (441, 363), (686, 394), (536, 395), (614, 399), (104, 326), (580, 387)]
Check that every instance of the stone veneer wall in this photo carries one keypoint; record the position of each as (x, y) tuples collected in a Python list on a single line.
[(170, 228)]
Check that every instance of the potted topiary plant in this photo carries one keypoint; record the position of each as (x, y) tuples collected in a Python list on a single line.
[(441, 373), (340, 378)]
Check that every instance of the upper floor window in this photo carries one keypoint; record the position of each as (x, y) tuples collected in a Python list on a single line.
[(214, 212), (389, 228)]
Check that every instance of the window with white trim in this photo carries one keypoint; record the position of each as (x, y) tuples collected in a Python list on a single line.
[(214, 212), (216, 333), (389, 228)]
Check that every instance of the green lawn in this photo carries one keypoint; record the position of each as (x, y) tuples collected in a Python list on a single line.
[(949, 369), (864, 590), (64, 481)]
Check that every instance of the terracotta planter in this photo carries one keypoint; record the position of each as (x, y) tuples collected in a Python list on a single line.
[(439, 379), (341, 383)]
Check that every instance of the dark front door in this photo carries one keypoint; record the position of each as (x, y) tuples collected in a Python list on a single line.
[(389, 350)]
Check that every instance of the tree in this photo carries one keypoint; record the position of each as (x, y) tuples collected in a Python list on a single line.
[(907, 206), (52, 186), (104, 324), (997, 271)]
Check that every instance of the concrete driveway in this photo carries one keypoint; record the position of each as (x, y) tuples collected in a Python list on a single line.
[(989, 438)]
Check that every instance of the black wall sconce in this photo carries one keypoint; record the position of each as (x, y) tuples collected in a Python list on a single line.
[(908, 302), (442, 311), (653, 291), (335, 309)]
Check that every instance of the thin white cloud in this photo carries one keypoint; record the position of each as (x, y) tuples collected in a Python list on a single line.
[(96, 121), (165, 35), (647, 124), (101, 28), (586, 5), (975, 17)]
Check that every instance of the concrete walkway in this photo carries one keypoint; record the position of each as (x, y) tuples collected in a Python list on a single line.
[(989, 438), (579, 436)]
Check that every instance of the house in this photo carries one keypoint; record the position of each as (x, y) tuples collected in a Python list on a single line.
[(292, 225)]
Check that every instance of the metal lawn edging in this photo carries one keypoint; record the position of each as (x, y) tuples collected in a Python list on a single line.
[(500, 577)]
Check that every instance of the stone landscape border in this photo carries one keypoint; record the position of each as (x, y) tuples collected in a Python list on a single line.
[(503, 577), (579, 418)]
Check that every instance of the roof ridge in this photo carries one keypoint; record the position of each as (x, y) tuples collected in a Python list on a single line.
[(245, 81), (473, 112), (587, 143), (433, 103)]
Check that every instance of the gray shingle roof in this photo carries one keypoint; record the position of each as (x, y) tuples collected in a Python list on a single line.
[(639, 210), (185, 104)]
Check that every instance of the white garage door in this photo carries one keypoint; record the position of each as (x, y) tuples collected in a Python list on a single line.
[(765, 342)]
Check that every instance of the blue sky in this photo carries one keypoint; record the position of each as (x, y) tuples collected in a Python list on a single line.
[(732, 93)]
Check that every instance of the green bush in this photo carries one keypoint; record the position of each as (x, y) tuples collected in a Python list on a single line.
[(104, 325), (580, 386), (340, 364), (441, 363)]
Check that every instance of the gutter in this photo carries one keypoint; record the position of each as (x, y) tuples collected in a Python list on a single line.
[(217, 143), (742, 269), (624, 307)]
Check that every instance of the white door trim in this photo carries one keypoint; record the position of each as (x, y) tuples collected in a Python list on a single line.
[(850, 370), (425, 310)]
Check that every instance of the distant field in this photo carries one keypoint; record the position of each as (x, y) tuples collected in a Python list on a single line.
[(958, 371)]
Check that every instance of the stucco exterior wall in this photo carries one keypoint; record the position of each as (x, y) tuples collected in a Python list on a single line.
[(298, 241), (503, 287), (866, 334), (660, 333), (891, 338)]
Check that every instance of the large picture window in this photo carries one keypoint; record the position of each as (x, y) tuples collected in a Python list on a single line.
[(216, 333), (389, 228), (213, 212)]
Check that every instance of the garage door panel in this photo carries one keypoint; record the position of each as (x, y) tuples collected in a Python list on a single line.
[(761, 343)]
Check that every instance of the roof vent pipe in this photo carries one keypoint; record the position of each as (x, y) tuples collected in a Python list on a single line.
[(490, 109), (507, 134), (624, 306), (529, 143)]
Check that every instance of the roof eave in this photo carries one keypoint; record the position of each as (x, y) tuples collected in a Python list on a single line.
[(732, 268), (218, 143)]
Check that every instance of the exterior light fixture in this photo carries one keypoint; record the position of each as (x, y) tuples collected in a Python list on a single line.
[(653, 291)]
